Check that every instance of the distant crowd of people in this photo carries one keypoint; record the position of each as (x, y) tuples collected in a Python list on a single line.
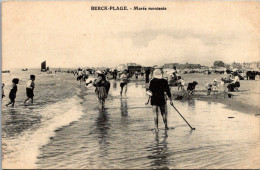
[(158, 86)]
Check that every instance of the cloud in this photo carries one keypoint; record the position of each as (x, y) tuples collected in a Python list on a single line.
[(68, 34)]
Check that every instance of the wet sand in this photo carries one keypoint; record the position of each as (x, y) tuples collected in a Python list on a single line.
[(65, 129), (235, 103), (246, 100), (122, 136)]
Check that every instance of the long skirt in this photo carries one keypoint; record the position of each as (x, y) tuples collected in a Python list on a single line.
[(101, 92)]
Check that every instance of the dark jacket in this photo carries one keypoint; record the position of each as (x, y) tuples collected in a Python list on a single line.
[(158, 87)]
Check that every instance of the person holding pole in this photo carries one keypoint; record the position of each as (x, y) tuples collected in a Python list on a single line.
[(158, 86)]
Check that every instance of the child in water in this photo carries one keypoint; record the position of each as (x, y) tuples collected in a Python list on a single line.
[(12, 94), (29, 88), (123, 82), (3, 93)]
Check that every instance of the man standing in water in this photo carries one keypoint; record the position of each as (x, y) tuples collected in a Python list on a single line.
[(29, 88), (159, 86)]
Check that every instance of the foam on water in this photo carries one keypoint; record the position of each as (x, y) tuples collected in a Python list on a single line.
[(23, 151)]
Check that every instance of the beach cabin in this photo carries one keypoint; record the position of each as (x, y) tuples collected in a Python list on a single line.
[(133, 69)]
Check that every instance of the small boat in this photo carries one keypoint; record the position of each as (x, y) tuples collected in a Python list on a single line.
[(25, 69), (6, 71), (43, 66)]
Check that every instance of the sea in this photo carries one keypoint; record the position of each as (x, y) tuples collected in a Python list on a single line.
[(64, 128)]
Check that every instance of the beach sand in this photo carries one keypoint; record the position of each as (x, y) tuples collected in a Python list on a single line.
[(246, 100)]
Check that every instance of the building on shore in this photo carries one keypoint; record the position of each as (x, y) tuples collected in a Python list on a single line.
[(132, 64), (182, 66)]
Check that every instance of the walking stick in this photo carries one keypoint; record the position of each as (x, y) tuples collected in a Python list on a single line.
[(183, 118)]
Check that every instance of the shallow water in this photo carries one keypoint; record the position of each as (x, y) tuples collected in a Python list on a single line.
[(71, 132)]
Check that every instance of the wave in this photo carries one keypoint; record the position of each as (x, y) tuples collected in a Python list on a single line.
[(22, 152)]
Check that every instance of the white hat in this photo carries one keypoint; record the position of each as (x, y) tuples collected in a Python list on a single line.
[(157, 73), (99, 72), (215, 80)]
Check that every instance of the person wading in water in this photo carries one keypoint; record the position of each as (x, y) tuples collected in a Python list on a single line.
[(29, 88), (12, 94), (158, 86), (101, 88), (124, 80)]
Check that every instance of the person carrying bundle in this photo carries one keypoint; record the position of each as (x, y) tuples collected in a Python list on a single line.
[(102, 89)]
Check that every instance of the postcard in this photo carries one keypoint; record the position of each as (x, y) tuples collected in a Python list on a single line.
[(130, 85)]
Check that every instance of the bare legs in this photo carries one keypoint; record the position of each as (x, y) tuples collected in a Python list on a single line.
[(155, 116), (101, 103), (121, 91), (11, 102), (28, 99), (122, 88), (164, 114)]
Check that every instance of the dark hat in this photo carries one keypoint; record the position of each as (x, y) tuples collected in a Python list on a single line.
[(195, 83), (32, 76), (15, 81), (235, 73)]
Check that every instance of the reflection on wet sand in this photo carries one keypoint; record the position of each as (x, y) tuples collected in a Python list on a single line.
[(159, 153), (121, 136), (16, 123), (191, 103), (123, 107), (114, 84), (103, 126)]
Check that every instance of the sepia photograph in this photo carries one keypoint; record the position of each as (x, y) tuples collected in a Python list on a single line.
[(130, 84)]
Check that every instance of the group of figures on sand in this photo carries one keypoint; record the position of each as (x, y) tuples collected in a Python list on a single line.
[(228, 84), (12, 94)]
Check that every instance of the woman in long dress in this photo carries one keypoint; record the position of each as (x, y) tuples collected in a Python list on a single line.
[(101, 85)]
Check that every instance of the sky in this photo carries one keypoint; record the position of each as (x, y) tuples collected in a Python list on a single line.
[(69, 34)]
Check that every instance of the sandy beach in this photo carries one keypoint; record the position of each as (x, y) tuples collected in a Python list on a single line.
[(246, 100)]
